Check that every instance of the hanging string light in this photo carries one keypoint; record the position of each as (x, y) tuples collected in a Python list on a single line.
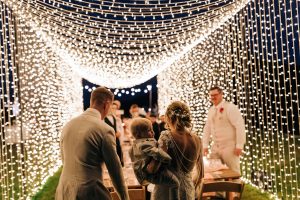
[(254, 56), (125, 42), (38, 94), (248, 47), (126, 91)]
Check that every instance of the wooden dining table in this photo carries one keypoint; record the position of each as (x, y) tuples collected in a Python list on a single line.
[(135, 190), (222, 174), (213, 170), (218, 171)]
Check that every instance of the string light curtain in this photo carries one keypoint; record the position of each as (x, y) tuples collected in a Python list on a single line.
[(255, 57), (52, 43), (39, 93), (11, 160), (125, 41)]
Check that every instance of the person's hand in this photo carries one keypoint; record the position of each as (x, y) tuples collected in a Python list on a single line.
[(153, 166), (118, 134), (205, 151), (238, 152)]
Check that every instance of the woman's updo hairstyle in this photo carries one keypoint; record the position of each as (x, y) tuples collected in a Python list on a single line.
[(178, 114)]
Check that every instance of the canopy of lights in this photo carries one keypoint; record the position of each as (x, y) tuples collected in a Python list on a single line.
[(125, 41), (250, 48)]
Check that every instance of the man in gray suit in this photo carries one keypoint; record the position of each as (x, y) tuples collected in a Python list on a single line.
[(87, 142)]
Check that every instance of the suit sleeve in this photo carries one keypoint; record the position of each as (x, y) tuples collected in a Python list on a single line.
[(113, 164), (61, 140), (236, 119), (61, 150), (206, 132)]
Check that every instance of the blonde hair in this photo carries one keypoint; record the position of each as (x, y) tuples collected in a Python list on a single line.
[(140, 127), (178, 114)]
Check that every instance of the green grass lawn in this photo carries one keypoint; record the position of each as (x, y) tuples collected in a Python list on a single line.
[(48, 191), (251, 193)]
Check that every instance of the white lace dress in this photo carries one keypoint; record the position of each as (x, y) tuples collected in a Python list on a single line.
[(177, 166)]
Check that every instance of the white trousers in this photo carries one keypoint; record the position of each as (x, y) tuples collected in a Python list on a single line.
[(226, 154)]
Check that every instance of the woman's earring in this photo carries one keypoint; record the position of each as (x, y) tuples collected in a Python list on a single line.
[(167, 126)]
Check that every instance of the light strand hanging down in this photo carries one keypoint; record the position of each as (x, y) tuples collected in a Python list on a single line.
[(255, 57), (38, 94), (125, 42)]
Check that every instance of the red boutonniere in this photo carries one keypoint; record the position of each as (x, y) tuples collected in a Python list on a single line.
[(221, 109)]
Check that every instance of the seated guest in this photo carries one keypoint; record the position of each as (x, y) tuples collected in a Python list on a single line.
[(145, 150)]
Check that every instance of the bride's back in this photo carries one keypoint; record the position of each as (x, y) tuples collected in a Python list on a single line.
[(187, 147), (184, 147)]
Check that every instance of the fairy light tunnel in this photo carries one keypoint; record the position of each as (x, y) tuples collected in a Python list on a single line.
[(250, 48)]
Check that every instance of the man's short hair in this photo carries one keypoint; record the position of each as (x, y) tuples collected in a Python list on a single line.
[(216, 88), (100, 95), (133, 106), (140, 127), (118, 103)]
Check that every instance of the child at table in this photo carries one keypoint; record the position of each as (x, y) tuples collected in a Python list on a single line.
[(143, 151)]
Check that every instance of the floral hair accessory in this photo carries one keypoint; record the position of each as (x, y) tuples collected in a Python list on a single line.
[(179, 113), (221, 109)]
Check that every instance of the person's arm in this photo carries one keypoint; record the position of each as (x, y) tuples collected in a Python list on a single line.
[(206, 135), (199, 164), (61, 142), (149, 148), (113, 164), (119, 128), (61, 150), (154, 165), (237, 120)]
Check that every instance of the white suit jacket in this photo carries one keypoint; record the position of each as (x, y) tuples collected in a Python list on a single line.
[(226, 126), (87, 142)]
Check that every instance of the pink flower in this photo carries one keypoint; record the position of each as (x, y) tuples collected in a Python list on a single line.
[(221, 109)]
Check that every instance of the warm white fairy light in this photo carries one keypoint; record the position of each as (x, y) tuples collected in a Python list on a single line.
[(47, 93), (254, 56), (126, 42), (121, 44), (126, 91)]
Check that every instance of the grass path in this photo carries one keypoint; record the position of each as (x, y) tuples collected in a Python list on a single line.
[(48, 191)]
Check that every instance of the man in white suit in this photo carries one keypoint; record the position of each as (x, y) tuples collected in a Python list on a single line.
[(226, 126), (87, 142)]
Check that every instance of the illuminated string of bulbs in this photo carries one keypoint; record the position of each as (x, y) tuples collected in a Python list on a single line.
[(254, 58), (126, 91), (226, 55), (39, 93), (126, 42)]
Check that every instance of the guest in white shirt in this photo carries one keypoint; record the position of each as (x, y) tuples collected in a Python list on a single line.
[(226, 127)]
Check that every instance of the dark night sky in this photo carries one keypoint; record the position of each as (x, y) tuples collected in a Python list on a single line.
[(141, 98)]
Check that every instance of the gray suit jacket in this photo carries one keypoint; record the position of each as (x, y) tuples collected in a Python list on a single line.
[(86, 143)]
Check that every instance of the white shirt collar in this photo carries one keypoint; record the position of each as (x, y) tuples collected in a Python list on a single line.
[(220, 105)]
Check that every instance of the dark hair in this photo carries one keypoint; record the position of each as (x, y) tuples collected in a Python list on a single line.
[(140, 127), (179, 115), (100, 95), (216, 88)]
